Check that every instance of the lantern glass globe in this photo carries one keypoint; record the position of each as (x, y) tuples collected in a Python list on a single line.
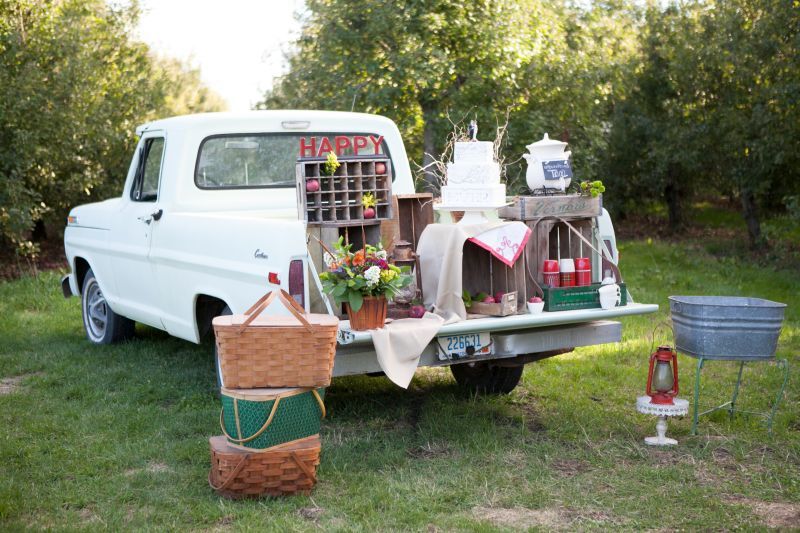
[(663, 379)]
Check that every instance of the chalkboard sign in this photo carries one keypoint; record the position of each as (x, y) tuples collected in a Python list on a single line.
[(556, 170)]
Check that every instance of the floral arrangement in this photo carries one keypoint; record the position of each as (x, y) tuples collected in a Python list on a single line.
[(366, 272), (331, 164)]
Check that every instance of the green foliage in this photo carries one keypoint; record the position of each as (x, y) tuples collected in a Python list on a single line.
[(423, 64), (74, 86), (592, 188), (713, 109)]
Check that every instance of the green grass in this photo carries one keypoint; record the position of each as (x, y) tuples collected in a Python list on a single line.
[(116, 437)]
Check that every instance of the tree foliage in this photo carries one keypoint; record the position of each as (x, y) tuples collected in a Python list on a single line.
[(73, 86), (426, 63), (713, 108), (664, 102)]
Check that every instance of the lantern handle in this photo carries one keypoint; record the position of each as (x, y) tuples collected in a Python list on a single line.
[(667, 323)]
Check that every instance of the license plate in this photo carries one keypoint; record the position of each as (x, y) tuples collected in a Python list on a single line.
[(464, 346)]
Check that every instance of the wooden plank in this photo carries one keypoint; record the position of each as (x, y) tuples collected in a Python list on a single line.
[(567, 205)]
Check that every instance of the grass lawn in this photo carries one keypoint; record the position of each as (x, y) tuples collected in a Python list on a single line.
[(117, 437)]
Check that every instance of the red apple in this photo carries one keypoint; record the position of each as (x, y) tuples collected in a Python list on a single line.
[(535, 300), (489, 300), (369, 213), (312, 186), (417, 311), (499, 296), (380, 168)]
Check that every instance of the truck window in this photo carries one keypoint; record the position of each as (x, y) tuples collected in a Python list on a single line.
[(269, 159), (148, 171)]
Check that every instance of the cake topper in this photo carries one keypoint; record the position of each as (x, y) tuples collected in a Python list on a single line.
[(472, 131)]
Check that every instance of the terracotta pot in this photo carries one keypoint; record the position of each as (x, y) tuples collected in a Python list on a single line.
[(372, 314)]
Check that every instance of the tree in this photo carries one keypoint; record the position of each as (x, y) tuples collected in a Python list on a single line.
[(416, 61), (73, 86)]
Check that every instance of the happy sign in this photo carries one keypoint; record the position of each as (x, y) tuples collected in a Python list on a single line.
[(320, 146)]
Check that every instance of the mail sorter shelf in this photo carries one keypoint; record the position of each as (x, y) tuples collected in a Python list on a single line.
[(338, 201)]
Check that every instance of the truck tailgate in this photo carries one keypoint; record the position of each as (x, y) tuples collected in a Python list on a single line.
[(513, 322)]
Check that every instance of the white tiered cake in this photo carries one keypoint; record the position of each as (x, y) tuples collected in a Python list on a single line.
[(473, 179)]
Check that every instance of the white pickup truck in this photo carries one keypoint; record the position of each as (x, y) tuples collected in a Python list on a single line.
[(208, 221)]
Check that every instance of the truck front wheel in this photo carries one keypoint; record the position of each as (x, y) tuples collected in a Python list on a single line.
[(487, 377), (102, 324)]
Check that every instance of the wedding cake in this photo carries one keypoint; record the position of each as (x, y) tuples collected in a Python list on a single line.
[(473, 178)]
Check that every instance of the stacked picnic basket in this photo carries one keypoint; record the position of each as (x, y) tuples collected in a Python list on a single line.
[(273, 370)]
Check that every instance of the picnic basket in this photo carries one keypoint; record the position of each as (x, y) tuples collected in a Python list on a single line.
[(287, 469), (258, 419), (276, 350)]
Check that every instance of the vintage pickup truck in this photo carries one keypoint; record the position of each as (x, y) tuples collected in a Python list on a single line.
[(209, 220)]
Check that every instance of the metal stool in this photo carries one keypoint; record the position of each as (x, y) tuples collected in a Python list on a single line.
[(730, 406)]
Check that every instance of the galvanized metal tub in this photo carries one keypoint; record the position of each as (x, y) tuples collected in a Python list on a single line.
[(726, 327)]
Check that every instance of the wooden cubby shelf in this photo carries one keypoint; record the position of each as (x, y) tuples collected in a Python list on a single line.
[(338, 200)]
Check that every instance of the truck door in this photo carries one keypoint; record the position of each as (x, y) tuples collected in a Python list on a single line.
[(131, 235)]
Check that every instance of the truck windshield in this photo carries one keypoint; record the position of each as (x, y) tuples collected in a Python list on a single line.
[(269, 160)]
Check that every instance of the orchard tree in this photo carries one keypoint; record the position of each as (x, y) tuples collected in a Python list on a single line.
[(73, 87)]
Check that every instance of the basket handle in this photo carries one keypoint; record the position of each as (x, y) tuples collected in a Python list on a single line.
[(302, 466), (265, 301), (271, 416), (231, 476)]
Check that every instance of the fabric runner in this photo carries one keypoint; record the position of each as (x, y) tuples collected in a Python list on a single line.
[(400, 343)]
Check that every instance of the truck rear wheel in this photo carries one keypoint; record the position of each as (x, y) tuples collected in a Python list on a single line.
[(102, 324), (487, 377)]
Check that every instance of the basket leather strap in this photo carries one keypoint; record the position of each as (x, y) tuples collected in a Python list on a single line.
[(320, 402), (231, 476), (302, 466), (257, 433), (265, 301)]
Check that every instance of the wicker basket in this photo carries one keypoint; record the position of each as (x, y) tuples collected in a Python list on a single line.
[(276, 351), (371, 315), (258, 419), (285, 470)]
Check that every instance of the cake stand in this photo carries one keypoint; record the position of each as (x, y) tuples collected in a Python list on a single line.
[(679, 408), (472, 214)]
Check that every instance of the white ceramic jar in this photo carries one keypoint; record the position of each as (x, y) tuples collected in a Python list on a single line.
[(546, 150)]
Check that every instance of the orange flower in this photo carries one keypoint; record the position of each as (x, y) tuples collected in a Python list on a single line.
[(334, 265), (358, 259), (347, 261)]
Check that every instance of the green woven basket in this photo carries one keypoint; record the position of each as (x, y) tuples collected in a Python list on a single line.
[(570, 298), (263, 418)]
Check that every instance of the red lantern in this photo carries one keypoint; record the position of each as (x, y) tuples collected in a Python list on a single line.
[(663, 378)]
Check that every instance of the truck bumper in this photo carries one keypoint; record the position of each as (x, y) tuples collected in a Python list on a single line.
[(359, 358)]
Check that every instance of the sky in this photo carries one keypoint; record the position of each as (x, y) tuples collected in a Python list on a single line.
[(237, 44)]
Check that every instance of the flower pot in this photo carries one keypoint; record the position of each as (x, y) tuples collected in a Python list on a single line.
[(372, 314)]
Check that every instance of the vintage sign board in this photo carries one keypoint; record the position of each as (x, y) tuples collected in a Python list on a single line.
[(341, 145), (557, 169), (562, 205)]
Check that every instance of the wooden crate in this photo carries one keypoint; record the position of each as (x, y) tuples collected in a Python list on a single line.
[(338, 200), (562, 205), (544, 244), (482, 272)]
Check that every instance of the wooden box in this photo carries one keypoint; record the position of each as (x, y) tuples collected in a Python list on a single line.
[(482, 272), (562, 205), (550, 239), (338, 200), (508, 305)]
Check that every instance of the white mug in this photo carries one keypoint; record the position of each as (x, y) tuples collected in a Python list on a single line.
[(610, 296)]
